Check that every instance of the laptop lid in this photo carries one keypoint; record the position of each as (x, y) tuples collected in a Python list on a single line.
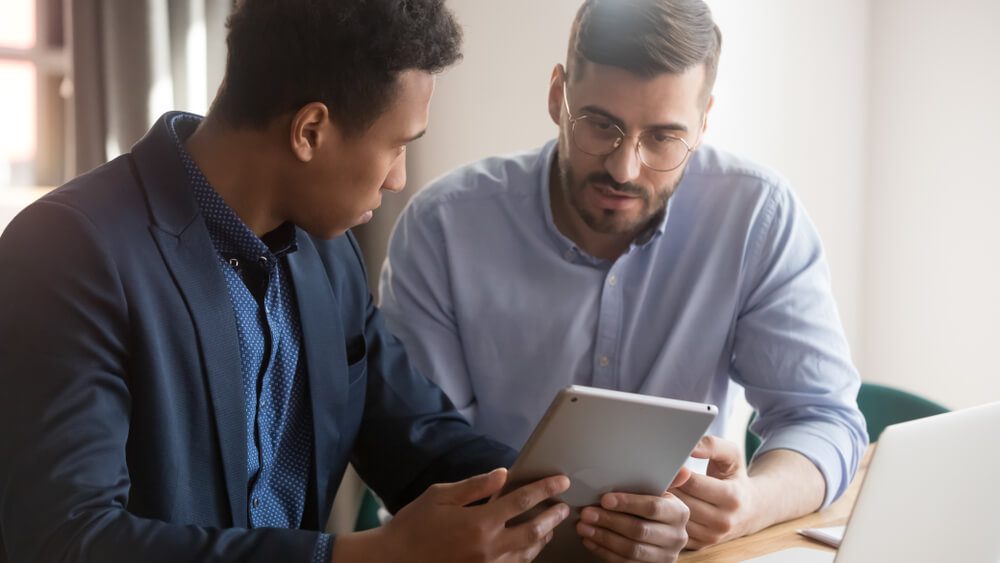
[(931, 492)]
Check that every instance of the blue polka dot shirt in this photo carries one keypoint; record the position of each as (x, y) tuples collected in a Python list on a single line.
[(278, 413)]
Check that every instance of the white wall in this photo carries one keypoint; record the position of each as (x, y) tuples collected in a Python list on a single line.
[(932, 268), (791, 94)]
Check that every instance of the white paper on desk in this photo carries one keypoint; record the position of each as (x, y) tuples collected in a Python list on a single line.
[(830, 536), (795, 555)]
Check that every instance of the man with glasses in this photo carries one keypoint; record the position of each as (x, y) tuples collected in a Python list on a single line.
[(626, 254)]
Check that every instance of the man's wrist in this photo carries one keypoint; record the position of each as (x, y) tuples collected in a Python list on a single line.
[(785, 485), (369, 545)]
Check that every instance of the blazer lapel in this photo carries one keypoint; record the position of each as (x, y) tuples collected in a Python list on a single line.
[(323, 343), (187, 249), (192, 262)]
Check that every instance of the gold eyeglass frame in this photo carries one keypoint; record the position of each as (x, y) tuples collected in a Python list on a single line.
[(621, 137)]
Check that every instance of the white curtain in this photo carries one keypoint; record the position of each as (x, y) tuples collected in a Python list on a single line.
[(134, 60)]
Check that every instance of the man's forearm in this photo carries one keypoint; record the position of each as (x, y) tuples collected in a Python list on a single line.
[(786, 485)]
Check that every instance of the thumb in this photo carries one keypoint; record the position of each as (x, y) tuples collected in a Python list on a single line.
[(682, 477), (474, 488), (724, 457), (704, 448)]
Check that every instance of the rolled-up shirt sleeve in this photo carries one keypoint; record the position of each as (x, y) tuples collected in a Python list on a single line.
[(790, 352)]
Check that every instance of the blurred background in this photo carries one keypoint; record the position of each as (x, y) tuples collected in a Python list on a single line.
[(883, 114)]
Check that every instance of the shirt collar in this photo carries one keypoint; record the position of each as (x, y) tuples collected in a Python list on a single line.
[(230, 235)]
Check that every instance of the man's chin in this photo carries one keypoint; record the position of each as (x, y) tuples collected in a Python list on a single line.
[(606, 223), (329, 232), (364, 218)]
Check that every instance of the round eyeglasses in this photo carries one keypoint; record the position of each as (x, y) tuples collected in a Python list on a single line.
[(599, 136)]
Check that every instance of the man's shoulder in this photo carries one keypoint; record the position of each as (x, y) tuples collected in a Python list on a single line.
[(107, 197), (711, 166), (499, 178)]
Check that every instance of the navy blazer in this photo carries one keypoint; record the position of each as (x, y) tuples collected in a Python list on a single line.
[(122, 422)]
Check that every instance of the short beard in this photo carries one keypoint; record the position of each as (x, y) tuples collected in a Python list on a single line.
[(610, 221)]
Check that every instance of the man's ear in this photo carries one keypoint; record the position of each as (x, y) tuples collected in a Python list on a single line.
[(556, 85), (310, 129), (704, 121), (708, 108)]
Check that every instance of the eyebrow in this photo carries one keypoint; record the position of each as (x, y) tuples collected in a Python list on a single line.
[(673, 126), (414, 138)]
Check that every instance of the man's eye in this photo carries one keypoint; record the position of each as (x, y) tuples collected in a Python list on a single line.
[(602, 127), (662, 138)]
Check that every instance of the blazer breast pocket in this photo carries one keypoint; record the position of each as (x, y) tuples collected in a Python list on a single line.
[(357, 358)]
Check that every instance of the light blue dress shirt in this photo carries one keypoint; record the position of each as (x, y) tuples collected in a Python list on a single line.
[(502, 310)]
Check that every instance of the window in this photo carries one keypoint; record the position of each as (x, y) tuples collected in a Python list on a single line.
[(35, 97)]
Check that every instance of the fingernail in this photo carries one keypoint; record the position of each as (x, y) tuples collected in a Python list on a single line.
[(585, 530), (564, 512), (609, 501), (589, 515)]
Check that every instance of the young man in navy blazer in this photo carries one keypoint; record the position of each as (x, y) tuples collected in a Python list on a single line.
[(190, 354)]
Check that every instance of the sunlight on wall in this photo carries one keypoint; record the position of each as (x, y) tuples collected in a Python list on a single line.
[(196, 95), (161, 94)]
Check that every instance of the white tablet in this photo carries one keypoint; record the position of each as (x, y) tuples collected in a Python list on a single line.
[(607, 441)]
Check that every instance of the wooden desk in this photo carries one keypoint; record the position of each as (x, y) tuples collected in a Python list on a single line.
[(784, 536)]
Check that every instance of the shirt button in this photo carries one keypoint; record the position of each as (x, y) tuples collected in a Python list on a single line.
[(602, 361), (234, 262), (256, 502), (568, 255), (262, 261), (612, 280)]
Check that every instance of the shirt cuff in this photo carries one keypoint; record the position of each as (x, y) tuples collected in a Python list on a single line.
[(836, 462), (324, 549)]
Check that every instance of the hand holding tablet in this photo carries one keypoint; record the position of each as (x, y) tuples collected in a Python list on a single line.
[(607, 441)]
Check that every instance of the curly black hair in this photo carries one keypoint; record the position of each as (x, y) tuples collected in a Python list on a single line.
[(284, 54)]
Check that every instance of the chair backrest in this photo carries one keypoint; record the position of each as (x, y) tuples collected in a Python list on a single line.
[(367, 512), (881, 405)]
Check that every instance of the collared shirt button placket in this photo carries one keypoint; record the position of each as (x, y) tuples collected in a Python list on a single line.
[(608, 330)]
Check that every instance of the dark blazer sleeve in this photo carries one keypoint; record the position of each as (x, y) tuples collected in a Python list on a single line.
[(411, 436), (65, 409)]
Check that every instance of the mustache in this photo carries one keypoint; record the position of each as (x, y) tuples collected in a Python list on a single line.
[(627, 188)]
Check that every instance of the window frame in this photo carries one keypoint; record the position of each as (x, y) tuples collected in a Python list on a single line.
[(54, 155)]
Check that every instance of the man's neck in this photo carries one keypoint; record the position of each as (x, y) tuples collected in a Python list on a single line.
[(241, 166), (607, 246)]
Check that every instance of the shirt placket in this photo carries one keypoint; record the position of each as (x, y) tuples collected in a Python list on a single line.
[(609, 320), (263, 497)]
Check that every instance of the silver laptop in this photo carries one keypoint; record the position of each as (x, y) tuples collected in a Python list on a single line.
[(931, 494)]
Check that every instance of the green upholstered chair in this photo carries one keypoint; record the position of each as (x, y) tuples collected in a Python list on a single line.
[(881, 406), (367, 512)]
